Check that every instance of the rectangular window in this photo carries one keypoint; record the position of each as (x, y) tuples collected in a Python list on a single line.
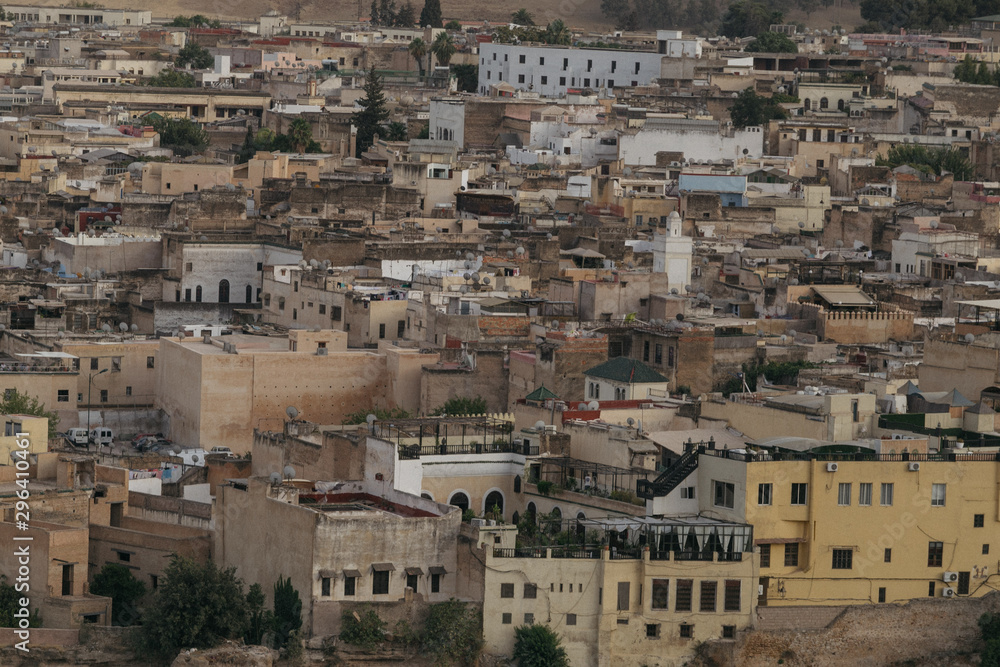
[(935, 554), (865, 494), (887, 556), (349, 586), (764, 494), (435, 583), (978, 520), (590, 65), (687, 492), (545, 80), (963, 583), (128, 391), (886, 497), (335, 313), (765, 555), (400, 328), (687, 631), (931, 589), (652, 630), (150, 362), (658, 357), (843, 559), (93, 363), (506, 619), (381, 331), (725, 493), (938, 495), (683, 598), (506, 590), (325, 587), (645, 350), (799, 493), (733, 590), (792, 555), (530, 591), (124, 557), (521, 58), (529, 619), (411, 581), (63, 396), (380, 582), (707, 600), (562, 81), (104, 396), (881, 594), (729, 632), (541, 61), (844, 494), (986, 549), (661, 593), (624, 591), (570, 619), (520, 78)]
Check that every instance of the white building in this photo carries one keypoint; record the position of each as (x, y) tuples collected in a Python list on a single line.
[(672, 254), (697, 139), (79, 15)]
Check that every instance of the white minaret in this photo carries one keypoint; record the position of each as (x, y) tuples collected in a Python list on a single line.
[(672, 254)]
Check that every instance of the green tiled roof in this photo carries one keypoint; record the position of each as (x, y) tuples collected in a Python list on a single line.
[(622, 369)]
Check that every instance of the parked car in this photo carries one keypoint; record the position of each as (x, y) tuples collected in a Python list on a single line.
[(143, 436), (225, 451), (102, 435), (77, 437), (153, 444)]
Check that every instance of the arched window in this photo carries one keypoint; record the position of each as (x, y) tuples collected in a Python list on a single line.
[(281, 303), (807, 104), (840, 105), (197, 293), (517, 484), (267, 300), (249, 293), (494, 502), (516, 518), (223, 291), (532, 512), (824, 103), (426, 495), (459, 500)]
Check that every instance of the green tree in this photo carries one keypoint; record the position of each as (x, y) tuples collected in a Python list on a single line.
[(387, 12), (406, 16), (443, 48), (396, 131), (260, 620), (287, 612), (17, 403), (381, 414), (195, 55), (934, 161), (372, 114), (172, 78), (363, 628), (430, 15), (522, 17), (750, 109), (772, 42), (453, 633), (746, 18), (180, 22), (557, 33), (195, 606), (453, 25), (973, 71), (776, 372), (300, 132), (117, 582), (538, 646), (989, 630), (468, 77), (10, 604), (418, 49), (461, 405), (182, 135), (376, 18), (249, 147)]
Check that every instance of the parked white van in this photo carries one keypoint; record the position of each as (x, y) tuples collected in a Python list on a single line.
[(77, 437), (101, 436)]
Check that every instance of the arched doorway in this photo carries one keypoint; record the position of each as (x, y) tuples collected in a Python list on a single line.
[(197, 293), (493, 503), (223, 291), (459, 500), (249, 293), (517, 484)]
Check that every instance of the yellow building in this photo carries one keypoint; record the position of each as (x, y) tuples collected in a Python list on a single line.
[(36, 428), (833, 529), (648, 595)]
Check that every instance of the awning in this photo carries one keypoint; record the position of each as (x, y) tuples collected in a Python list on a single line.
[(437, 569), (383, 567), (327, 574), (352, 574), (781, 540), (414, 571)]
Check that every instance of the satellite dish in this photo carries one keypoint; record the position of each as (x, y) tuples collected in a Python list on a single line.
[(673, 290), (970, 338), (792, 332), (539, 425), (630, 421), (548, 237), (520, 250), (469, 256), (289, 472), (594, 405), (802, 225), (134, 328), (506, 233), (106, 328), (486, 280), (627, 171), (467, 276), (784, 338), (291, 412), (123, 326), (475, 277), (275, 478), (194, 458), (370, 419), (702, 296)]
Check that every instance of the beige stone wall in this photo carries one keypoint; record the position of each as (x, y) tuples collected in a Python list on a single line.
[(134, 371), (864, 328)]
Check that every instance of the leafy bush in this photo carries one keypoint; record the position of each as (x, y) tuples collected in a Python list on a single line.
[(461, 405), (10, 604), (117, 582), (453, 634), (545, 487), (381, 414), (539, 646), (287, 612), (365, 629)]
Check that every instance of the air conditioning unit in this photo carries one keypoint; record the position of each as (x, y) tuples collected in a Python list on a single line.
[(832, 467), (949, 577), (913, 466), (478, 523), (947, 592), (897, 436)]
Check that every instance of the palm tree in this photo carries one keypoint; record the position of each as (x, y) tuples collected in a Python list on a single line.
[(418, 49), (557, 33), (443, 48), (300, 133), (522, 17)]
